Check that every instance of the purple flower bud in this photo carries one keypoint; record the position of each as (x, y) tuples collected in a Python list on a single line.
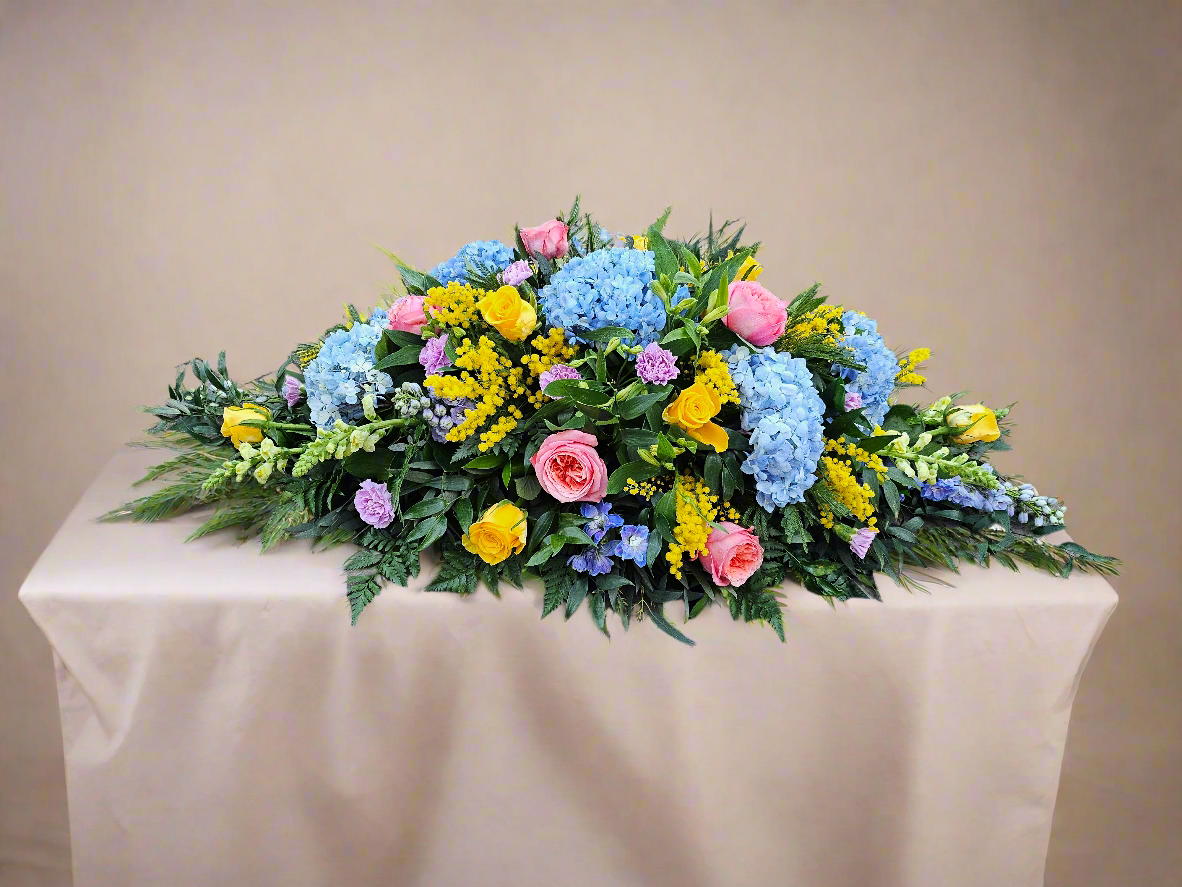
[(434, 357), (853, 401), (291, 390), (516, 273), (861, 541), (374, 504), (656, 365), (556, 372)]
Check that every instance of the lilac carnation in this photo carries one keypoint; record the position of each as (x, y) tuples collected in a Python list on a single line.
[(556, 372), (656, 365), (518, 272), (374, 505), (861, 541), (291, 390), (853, 400), (434, 357)]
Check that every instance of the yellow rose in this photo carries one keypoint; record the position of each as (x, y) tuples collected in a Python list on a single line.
[(640, 242), (692, 412), (978, 421), (508, 313), (499, 533), (756, 269), (233, 417)]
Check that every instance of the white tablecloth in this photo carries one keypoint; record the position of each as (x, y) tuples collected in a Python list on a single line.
[(224, 724)]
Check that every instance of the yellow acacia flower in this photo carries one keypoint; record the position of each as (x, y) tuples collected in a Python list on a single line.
[(548, 350), (696, 508), (714, 372), (453, 305), (488, 378), (907, 366)]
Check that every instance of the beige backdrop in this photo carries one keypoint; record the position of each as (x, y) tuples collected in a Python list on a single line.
[(999, 181)]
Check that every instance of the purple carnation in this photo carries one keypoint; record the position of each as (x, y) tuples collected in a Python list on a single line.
[(861, 541), (374, 505), (518, 272), (853, 400), (434, 357), (291, 390), (656, 365), (556, 372)]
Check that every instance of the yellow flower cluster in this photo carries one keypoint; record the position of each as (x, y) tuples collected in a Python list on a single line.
[(857, 454), (824, 320), (490, 379), (697, 507), (850, 492), (729, 511), (647, 489), (453, 305), (907, 366), (307, 354), (713, 371), (549, 350)]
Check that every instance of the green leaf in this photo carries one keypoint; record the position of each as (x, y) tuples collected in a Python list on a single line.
[(654, 549), (369, 466), (425, 508), (463, 513), (401, 357), (574, 535), (581, 392), (874, 444), (453, 482), (578, 591), (658, 617), (665, 260), (667, 509), (429, 530), (528, 487), (637, 471), (713, 473), (556, 591), (361, 590), (401, 339), (639, 403), (485, 462), (363, 560), (610, 581), (902, 533), (457, 574), (598, 608), (665, 451), (606, 333)]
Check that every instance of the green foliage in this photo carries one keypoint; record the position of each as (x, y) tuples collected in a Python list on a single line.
[(458, 573), (383, 556)]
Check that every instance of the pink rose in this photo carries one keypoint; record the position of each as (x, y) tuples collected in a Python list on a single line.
[(755, 314), (407, 315), (569, 468), (548, 240), (732, 554)]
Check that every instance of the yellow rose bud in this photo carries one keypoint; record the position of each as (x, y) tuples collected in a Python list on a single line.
[(499, 533), (233, 417), (755, 269), (692, 412), (979, 422), (640, 242), (509, 314)]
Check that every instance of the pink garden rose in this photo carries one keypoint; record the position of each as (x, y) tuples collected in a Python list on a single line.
[(755, 314), (407, 315), (569, 468), (548, 240), (732, 554)]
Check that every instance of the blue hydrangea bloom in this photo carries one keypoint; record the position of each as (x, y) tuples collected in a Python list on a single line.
[(609, 287), (481, 253), (343, 372), (956, 491), (784, 415), (877, 381)]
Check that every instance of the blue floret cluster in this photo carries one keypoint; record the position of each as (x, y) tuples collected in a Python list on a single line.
[(784, 415), (343, 372), (609, 287), (877, 381), (956, 491), (480, 254)]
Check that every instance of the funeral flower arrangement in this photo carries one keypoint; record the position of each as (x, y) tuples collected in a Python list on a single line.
[(634, 420)]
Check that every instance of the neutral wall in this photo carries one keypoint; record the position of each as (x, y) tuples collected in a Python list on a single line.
[(999, 181)]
